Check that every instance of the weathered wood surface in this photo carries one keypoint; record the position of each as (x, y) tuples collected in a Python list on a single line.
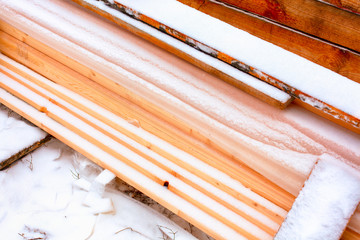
[(309, 16), (340, 60), (7, 162), (331, 113)]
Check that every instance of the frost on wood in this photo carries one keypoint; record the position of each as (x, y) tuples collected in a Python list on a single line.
[(17, 137), (325, 204)]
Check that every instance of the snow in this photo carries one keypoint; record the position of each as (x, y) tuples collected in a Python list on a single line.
[(270, 141), (13, 129), (41, 202), (127, 173), (289, 68), (154, 141), (131, 158), (325, 204)]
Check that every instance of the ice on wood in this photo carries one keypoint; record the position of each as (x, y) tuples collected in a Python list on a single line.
[(325, 204)]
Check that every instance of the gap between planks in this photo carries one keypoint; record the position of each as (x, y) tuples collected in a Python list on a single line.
[(172, 186), (64, 76)]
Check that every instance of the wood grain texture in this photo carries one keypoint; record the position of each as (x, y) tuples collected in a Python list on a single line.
[(7, 162), (212, 212), (348, 5), (178, 52), (339, 60), (309, 16), (332, 113), (181, 136)]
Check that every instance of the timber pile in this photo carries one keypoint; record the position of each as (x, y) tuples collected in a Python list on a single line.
[(171, 160)]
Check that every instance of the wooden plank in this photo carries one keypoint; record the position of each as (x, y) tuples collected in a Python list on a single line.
[(162, 129), (332, 113), (312, 17), (7, 162), (171, 206), (348, 5), (337, 59), (257, 206), (160, 180), (178, 52)]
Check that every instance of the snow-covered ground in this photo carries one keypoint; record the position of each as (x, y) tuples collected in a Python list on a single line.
[(16, 134), (51, 194)]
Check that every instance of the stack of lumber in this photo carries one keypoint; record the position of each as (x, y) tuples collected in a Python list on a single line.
[(221, 175), (335, 46)]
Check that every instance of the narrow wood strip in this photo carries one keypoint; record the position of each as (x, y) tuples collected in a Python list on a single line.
[(7, 162), (109, 100), (171, 206), (312, 17), (346, 120), (158, 179), (178, 52), (337, 59), (348, 5), (350, 235)]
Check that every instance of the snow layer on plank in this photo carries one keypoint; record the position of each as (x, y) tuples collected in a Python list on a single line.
[(189, 159), (296, 71), (325, 204), (220, 112), (120, 168), (201, 91), (136, 159), (16, 134)]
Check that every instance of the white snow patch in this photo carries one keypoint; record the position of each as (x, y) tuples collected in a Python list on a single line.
[(16, 134), (325, 204)]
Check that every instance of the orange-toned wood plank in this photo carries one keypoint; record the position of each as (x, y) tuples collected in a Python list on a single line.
[(158, 179), (175, 160), (312, 17), (349, 5), (342, 61), (350, 235), (113, 102), (346, 120), (171, 206), (246, 88)]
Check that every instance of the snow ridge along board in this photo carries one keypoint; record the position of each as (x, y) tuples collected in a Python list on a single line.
[(312, 86)]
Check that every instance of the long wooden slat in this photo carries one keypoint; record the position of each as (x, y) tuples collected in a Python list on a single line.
[(78, 147), (334, 114), (253, 204), (58, 73), (275, 217), (337, 59), (348, 5), (172, 187), (312, 17), (249, 177)]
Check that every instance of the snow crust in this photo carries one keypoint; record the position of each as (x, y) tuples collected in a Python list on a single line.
[(268, 140), (92, 200), (325, 204), (294, 70), (16, 134)]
